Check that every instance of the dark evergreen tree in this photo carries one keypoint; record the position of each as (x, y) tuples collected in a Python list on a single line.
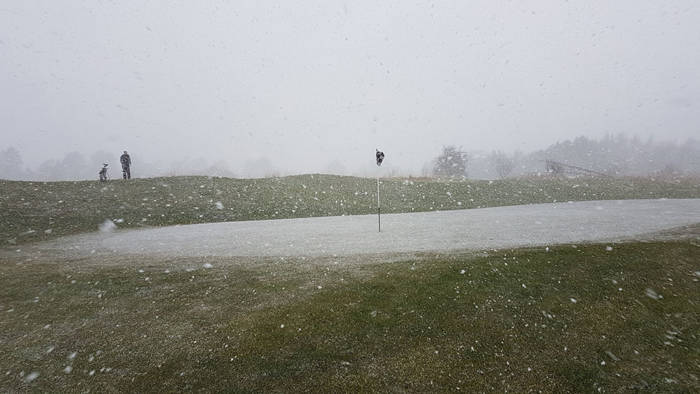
[(452, 162)]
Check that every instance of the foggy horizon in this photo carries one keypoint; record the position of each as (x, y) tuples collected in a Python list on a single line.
[(616, 155), (324, 84)]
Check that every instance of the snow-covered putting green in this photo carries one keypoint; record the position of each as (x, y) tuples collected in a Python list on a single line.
[(488, 228)]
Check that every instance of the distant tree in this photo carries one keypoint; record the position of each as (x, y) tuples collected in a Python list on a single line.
[(554, 167), (49, 170), (11, 164), (503, 164), (72, 166), (452, 162)]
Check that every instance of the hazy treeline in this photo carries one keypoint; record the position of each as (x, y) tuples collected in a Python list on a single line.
[(76, 166), (615, 155)]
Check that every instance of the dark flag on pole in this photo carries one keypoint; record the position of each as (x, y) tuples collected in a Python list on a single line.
[(380, 157)]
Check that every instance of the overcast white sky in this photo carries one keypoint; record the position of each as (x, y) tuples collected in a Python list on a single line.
[(305, 83)]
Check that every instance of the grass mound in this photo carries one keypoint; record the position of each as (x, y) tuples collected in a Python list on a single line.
[(32, 211)]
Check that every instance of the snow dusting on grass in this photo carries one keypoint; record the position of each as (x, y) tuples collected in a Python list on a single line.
[(107, 226), (186, 200), (433, 323)]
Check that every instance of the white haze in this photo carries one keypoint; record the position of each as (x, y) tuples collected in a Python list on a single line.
[(316, 86)]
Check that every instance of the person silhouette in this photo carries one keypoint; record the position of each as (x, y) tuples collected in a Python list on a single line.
[(103, 172), (125, 159)]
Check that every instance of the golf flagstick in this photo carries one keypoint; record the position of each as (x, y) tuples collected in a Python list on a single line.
[(379, 207), (380, 159)]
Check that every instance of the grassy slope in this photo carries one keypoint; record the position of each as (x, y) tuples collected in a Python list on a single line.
[(501, 322), (31, 211)]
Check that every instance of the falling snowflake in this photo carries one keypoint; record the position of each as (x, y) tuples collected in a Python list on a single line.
[(652, 294), (30, 378)]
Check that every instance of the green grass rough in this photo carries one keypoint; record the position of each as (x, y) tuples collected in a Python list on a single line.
[(571, 319)]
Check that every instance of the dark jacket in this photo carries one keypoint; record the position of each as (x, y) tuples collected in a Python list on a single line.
[(125, 160)]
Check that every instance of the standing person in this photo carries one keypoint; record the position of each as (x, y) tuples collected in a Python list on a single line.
[(126, 165)]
